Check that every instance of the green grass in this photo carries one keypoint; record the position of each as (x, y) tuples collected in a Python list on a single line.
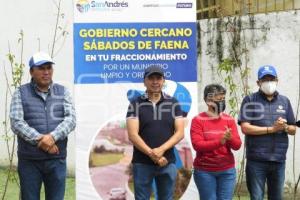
[(103, 159), (70, 193), (246, 197), (12, 192)]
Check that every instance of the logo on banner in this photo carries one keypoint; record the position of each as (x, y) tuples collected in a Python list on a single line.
[(100, 5), (83, 6)]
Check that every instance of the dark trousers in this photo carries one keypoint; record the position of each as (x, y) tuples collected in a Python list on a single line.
[(258, 173), (33, 173)]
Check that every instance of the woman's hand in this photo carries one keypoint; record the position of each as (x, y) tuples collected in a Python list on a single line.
[(226, 135)]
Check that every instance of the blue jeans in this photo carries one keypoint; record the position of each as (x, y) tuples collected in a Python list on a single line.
[(260, 172), (33, 173), (215, 185), (164, 177)]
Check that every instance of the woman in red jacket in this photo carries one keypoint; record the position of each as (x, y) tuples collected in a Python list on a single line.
[(213, 135)]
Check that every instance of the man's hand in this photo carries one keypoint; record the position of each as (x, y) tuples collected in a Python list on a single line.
[(158, 152), (226, 135), (279, 125), (46, 142), (53, 150), (152, 156), (162, 162)]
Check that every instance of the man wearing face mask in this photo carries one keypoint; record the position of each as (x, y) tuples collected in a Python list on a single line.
[(266, 118)]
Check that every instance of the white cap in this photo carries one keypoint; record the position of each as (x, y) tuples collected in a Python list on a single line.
[(40, 58)]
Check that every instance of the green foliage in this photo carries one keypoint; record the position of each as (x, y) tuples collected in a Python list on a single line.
[(16, 67), (234, 71), (10, 139), (233, 76), (17, 72)]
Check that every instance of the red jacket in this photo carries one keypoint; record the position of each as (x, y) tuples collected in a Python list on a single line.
[(206, 134)]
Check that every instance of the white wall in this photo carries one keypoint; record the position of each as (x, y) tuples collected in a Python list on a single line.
[(271, 39), (37, 20)]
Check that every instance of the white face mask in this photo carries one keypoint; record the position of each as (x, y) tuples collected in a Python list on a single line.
[(268, 87)]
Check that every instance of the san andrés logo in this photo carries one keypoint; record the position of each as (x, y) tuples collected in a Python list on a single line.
[(86, 5)]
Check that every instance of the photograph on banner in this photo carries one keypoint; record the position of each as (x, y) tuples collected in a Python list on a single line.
[(110, 157), (111, 153)]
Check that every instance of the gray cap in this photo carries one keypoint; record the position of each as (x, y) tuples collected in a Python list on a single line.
[(153, 69)]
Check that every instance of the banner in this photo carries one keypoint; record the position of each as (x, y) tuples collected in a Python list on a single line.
[(114, 42)]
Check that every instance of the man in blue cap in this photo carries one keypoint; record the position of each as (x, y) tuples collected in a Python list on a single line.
[(155, 125), (266, 118), (42, 115)]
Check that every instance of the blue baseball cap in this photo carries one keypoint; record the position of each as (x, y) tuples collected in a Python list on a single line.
[(266, 70), (39, 59)]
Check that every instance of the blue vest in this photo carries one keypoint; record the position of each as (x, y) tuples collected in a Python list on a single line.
[(269, 147), (44, 116)]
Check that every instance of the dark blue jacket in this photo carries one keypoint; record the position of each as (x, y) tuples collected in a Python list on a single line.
[(44, 116), (259, 111)]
